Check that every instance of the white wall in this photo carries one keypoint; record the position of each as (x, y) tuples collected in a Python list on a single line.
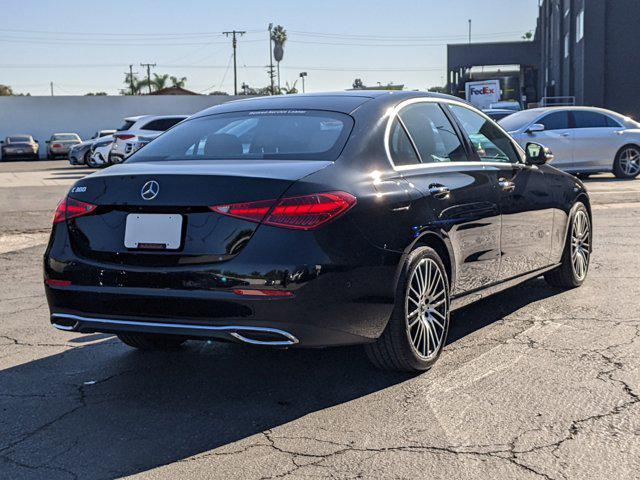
[(42, 116)]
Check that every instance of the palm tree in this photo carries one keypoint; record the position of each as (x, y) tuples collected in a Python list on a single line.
[(279, 37), (178, 82), (289, 89), (160, 81)]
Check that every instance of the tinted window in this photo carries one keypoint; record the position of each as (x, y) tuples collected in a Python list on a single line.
[(612, 123), (126, 126), (555, 121), (402, 151), (162, 124), (18, 139), (584, 119), (65, 137), (491, 144), (432, 133), (261, 134)]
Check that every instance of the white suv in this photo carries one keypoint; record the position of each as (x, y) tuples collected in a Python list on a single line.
[(138, 131)]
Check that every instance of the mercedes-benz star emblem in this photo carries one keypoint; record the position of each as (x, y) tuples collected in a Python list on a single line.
[(150, 190)]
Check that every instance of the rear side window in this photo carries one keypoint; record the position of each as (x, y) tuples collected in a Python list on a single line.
[(555, 121), (260, 134), (400, 146), (584, 119), (162, 124), (490, 143), (432, 133), (126, 126)]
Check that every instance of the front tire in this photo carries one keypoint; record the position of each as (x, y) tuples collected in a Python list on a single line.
[(573, 270), (148, 341), (627, 163), (417, 330)]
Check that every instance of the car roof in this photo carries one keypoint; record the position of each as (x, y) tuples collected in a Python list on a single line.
[(64, 133), (344, 102), (150, 117)]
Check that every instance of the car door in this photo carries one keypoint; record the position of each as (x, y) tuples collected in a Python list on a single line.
[(596, 138), (452, 193), (526, 199), (558, 135)]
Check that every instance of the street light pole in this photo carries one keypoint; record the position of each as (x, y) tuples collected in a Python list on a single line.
[(302, 76)]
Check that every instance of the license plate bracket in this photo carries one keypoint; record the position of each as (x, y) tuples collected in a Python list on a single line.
[(153, 231)]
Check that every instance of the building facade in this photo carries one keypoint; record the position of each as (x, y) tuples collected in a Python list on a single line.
[(586, 53)]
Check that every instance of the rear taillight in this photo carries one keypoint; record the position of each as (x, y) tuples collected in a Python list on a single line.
[(56, 145), (124, 136), (69, 208), (304, 213)]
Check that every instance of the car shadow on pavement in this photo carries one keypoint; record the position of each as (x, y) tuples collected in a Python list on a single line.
[(106, 411)]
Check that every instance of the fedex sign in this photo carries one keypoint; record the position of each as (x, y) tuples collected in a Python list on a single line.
[(483, 94)]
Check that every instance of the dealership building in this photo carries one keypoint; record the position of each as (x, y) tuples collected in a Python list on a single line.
[(583, 52)]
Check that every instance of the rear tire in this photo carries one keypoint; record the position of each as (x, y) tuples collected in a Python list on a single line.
[(91, 163), (417, 330), (627, 163), (149, 341), (573, 270)]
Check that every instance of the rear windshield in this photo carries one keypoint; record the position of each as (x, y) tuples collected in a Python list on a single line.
[(127, 125), (70, 136), (261, 134), (18, 139)]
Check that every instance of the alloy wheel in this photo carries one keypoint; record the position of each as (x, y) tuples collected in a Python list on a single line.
[(580, 238), (426, 308), (630, 161)]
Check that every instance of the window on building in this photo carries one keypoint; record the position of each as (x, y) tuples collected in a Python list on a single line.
[(566, 46), (579, 26)]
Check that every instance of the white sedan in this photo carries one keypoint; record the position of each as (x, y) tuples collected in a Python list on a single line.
[(584, 140)]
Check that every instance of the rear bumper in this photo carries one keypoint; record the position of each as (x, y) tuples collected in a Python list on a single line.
[(340, 302)]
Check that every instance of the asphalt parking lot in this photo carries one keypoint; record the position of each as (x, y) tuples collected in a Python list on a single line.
[(534, 383)]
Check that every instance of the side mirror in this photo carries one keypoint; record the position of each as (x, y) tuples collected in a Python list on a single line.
[(536, 127), (537, 154)]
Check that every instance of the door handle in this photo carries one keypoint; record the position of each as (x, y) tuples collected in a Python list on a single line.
[(439, 191), (506, 185)]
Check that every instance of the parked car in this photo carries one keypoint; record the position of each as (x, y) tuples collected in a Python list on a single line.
[(60, 143), (584, 140), (19, 146), (127, 139), (497, 114), (80, 153), (99, 152), (506, 105), (314, 220)]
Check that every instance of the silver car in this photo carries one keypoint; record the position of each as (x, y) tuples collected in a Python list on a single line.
[(60, 143), (584, 140)]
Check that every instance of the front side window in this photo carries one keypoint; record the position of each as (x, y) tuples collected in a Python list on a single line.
[(555, 121), (432, 133), (162, 124), (253, 135), (585, 119), (491, 144)]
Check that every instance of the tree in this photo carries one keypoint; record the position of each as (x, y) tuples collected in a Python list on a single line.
[(438, 89), (289, 89), (218, 92), (528, 35), (279, 37), (358, 84), (134, 85), (97, 94), (5, 90), (178, 82), (160, 81)]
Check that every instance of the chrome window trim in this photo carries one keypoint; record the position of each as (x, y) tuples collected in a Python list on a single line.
[(393, 113)]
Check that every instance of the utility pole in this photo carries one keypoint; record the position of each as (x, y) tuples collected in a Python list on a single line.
[(51, 85), (271, 74), (469, 30), (148, 65), (131, 74), (234, 42)]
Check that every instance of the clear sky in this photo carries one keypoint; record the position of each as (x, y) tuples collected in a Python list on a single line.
[(87, 45)]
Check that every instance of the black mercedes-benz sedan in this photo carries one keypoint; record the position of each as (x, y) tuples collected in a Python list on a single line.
[(314, 220)]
